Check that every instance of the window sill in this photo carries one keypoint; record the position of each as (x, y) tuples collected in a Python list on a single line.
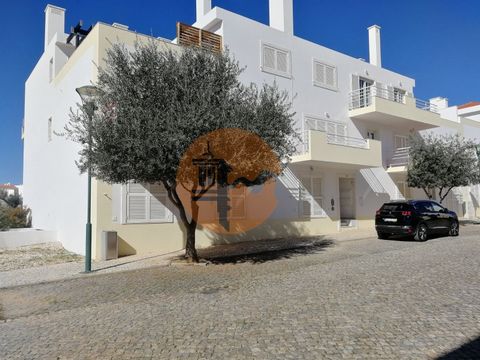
[(326, 87), (141, 222), (277, 73)]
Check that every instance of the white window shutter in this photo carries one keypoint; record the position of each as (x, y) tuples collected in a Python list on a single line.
[(311, 197), (276, 60), (330, 76), (269, 58), (136, 207), (146, 203), (320, 73), (324, 75), (282, 61), (158, 211)]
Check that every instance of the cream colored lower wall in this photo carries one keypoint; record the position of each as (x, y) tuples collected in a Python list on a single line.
[(168, 237), (366, 224)]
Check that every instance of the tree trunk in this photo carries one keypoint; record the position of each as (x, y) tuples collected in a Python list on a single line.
[(190, 227), (428, 193), (190, 250)]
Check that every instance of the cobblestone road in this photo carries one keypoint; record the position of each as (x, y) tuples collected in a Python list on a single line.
[(364, 299)]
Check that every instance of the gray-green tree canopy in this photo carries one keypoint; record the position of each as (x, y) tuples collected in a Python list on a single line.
[(153, 102), (443, 163)]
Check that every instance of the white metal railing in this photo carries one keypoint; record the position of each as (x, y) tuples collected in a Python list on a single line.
[(361, 98), (401, 157), (359, 143), (426, 105), (348, 141)]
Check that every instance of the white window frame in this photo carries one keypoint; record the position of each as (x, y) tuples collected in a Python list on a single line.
[(169, 217), (324, 85), (398, 95), (275, 71), (310, 197)]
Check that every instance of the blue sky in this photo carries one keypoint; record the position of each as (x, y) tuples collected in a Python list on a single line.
[(437, 42)]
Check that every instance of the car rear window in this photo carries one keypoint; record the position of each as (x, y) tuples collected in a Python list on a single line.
[(396, 207)]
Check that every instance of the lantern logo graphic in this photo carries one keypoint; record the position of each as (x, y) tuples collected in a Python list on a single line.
[(226, 180)]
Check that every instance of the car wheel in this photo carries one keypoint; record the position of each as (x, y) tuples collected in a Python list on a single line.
[(421, 234), (454, 229), (382, 236)]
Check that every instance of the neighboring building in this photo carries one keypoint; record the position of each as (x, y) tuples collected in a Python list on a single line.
[(10, 189), (354, 117)]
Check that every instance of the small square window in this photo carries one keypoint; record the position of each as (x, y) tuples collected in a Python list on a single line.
[(276, 61), (324, 75)]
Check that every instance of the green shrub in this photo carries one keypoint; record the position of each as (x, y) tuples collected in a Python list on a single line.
[(13, 218)]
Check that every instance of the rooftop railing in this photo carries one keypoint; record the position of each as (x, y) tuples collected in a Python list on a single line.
[(361, 98)]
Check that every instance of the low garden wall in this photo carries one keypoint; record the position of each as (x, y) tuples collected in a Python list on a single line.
[(21, 237)]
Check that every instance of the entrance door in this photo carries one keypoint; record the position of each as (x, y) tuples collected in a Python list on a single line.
[(347, 198)]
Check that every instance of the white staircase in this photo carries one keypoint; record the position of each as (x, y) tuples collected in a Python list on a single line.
[(381, 183)]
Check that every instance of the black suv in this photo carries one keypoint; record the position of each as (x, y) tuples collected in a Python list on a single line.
[(417, 218)]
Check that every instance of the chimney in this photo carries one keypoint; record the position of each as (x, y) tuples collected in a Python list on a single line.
[(203, 7), (54, 22), (375, 51), (281, 15)]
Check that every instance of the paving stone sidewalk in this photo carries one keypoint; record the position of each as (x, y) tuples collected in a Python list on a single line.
[(73, 269), (363, 299)]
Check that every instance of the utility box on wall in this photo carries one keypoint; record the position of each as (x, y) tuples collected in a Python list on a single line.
[(109, 246)]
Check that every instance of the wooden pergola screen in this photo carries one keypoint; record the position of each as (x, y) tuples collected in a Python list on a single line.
[(191, 36)]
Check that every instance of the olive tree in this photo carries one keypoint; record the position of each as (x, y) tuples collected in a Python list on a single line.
[(442, 163), (154, 102)]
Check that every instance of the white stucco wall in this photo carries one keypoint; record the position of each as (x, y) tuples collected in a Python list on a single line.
[(53, 187)]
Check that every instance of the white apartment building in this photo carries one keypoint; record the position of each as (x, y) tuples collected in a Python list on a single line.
[(354, 118)]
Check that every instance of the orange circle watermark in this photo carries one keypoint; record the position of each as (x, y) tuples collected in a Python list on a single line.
[(226, 181)]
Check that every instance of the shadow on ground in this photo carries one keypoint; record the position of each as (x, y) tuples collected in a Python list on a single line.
[(410, 238), (470, 350), (265, 250)]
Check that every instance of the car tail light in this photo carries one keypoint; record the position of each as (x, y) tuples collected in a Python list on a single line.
[(406, 213)]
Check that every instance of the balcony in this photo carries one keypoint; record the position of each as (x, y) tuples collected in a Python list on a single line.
[(399, 161), (390, 107), (320, 148)]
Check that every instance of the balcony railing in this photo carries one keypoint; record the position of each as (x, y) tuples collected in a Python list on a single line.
[(347, 141), (401, 157), (361, 98), (334, 140)]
